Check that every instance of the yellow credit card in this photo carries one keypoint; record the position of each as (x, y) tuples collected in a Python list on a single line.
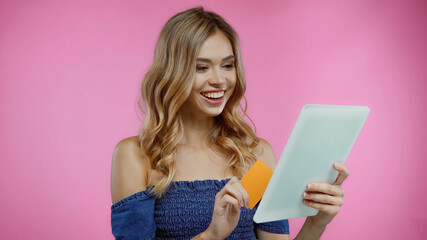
[(255, 182)]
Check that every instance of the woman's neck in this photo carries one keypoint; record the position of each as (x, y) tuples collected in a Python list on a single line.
[(196, 131)]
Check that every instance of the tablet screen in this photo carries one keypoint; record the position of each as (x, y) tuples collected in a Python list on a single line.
[(322, 135)]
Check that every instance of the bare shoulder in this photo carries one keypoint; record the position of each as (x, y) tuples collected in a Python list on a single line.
[(264, 152), (128, 169)]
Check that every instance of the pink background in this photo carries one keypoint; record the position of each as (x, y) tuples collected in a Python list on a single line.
[(70, 73)]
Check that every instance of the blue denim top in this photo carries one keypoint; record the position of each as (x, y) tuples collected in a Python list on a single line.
[(184, 211)]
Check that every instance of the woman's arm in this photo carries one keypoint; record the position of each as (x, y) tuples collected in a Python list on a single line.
[(128, 171), (327, 198), (130, 219), (271, 236)]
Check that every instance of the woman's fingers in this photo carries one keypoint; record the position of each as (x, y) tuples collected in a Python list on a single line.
[(238, 185), (343, 173), (327, 198), (226, 214), (331, 210), (228, 189), (323, 198), (235, 189), (329, 189), (226, 200)]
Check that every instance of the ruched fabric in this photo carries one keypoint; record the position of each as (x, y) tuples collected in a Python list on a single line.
[(183, 212)]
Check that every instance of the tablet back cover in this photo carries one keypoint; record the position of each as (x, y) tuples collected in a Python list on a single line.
[(322, 135)]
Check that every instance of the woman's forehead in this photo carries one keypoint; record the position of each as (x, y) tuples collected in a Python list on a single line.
[(216, 47)]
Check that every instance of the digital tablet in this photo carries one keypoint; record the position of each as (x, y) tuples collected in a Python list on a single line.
[(322, 135)]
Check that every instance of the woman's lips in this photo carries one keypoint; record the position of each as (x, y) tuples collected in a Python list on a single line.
[(213, 94), (214, 97)]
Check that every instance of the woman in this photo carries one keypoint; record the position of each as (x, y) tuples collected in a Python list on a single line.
[(179, 178)]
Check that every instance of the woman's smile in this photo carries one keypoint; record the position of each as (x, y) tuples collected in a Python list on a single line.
[(214, 97)]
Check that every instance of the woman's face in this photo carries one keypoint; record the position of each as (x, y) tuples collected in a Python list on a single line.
[(215, 77)]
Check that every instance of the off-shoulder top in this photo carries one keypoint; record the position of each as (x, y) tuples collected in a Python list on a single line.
[(183, 212)]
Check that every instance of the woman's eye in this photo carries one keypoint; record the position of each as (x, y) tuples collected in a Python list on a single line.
[(228, 66), (201, 68)]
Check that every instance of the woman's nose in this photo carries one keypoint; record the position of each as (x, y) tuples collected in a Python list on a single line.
[(217, 77)]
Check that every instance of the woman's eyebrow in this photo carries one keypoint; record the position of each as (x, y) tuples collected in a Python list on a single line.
[(209, 61)]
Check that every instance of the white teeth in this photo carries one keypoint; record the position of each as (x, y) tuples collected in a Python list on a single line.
[(214, 94)]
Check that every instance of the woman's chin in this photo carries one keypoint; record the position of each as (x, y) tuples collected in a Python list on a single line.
[(214, 114)]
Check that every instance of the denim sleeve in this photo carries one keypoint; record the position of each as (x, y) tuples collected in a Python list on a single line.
[(133, 217), (281, 227)]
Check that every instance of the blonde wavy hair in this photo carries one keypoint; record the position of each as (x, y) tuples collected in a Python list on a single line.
[(167, 85)]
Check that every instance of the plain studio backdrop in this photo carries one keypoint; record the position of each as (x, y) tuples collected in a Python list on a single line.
[(70, 73)]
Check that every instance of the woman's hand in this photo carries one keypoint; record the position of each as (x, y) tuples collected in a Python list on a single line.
[(326, 198), (226, 212)]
